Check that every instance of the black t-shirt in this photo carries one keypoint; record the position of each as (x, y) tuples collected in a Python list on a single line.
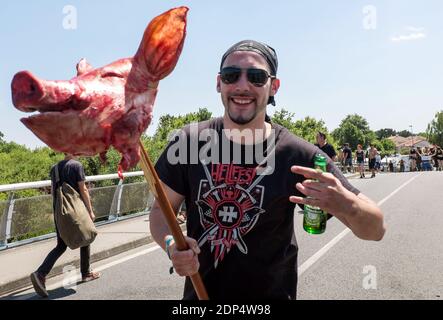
[(360, 155), (328, 149), (348, 152), (243, 221), (70, 171)]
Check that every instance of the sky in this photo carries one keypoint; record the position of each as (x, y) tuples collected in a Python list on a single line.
[(381, 59)]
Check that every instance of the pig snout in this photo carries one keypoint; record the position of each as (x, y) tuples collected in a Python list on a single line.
[(31, 94), (26, 91)]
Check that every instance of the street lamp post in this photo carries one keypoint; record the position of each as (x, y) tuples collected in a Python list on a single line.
[(412, 137)]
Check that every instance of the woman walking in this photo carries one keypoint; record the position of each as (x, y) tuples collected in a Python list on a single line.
[(360, 156)]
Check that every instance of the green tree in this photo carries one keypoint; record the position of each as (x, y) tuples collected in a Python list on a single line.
[(404, 133), (19, 164), (385, 133), (284, 118), (354, 129), (167, 123), (306, 128), (384, 146), (434, 131), (388, 146)]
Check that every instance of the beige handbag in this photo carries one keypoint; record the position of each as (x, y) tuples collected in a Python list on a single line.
[(71, 216)]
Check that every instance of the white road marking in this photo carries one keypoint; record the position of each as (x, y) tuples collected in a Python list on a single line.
[(308, 263), (77, 278), (24, 295)]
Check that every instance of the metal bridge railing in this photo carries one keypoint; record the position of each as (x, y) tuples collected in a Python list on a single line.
[(25, 220)]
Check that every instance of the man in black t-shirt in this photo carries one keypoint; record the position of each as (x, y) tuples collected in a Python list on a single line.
[(70, 171), (325, 146), (347, 158), (240, 209)]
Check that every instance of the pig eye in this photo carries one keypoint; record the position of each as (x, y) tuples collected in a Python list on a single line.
[(111, 74)]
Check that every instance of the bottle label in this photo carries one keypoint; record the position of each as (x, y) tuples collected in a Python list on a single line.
[(313, 216)]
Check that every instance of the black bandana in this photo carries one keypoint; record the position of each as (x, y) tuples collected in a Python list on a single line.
[(262, 49)]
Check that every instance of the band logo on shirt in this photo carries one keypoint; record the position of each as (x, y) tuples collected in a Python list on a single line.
[(229, 203)]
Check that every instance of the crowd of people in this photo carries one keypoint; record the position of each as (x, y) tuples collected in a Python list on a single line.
[(426, 159), (349, 160), (420, 159)]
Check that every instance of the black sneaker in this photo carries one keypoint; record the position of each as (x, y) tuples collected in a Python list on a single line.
[(38, 282)]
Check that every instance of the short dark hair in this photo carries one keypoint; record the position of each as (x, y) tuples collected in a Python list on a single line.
[(321, 134)]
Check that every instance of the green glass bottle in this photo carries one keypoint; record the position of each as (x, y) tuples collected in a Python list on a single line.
[(314, 220)]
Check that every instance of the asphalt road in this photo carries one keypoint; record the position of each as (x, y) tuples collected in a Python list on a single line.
[(406, 264)]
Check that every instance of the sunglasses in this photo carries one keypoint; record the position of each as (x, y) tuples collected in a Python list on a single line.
[(258, 77)]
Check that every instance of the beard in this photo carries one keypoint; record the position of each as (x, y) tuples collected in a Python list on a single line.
[(242, 116), (242, 119)]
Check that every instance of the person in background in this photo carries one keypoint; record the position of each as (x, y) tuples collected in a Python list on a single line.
[(391, 166), (325, 146), (347, 158), (72, 172), (418, 159), (413, 160), (402, 166), (340, 158), (360, 156), (378, 162), (371, 155), (433, 154), (439, 156), (426, 160)]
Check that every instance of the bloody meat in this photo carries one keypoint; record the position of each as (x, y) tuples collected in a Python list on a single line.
[(108, 106)]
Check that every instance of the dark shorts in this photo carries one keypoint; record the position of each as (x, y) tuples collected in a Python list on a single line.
[(372, 163), (348, 162)]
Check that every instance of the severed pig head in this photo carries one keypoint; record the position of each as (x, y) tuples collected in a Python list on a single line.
[(107, 106)]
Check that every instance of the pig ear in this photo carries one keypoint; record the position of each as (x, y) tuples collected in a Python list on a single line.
[(83, 67), (162, 44)]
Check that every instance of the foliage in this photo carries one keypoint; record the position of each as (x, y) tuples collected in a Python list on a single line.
[(306, 128), (404, 133), (354, 129), (385, 147), (167, 123), (385, 133), (434, 131), (388, 147)]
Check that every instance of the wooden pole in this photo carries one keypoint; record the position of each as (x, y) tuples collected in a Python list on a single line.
[(159, 193)]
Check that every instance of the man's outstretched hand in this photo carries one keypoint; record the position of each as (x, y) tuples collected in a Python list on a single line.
[(323, 190)]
